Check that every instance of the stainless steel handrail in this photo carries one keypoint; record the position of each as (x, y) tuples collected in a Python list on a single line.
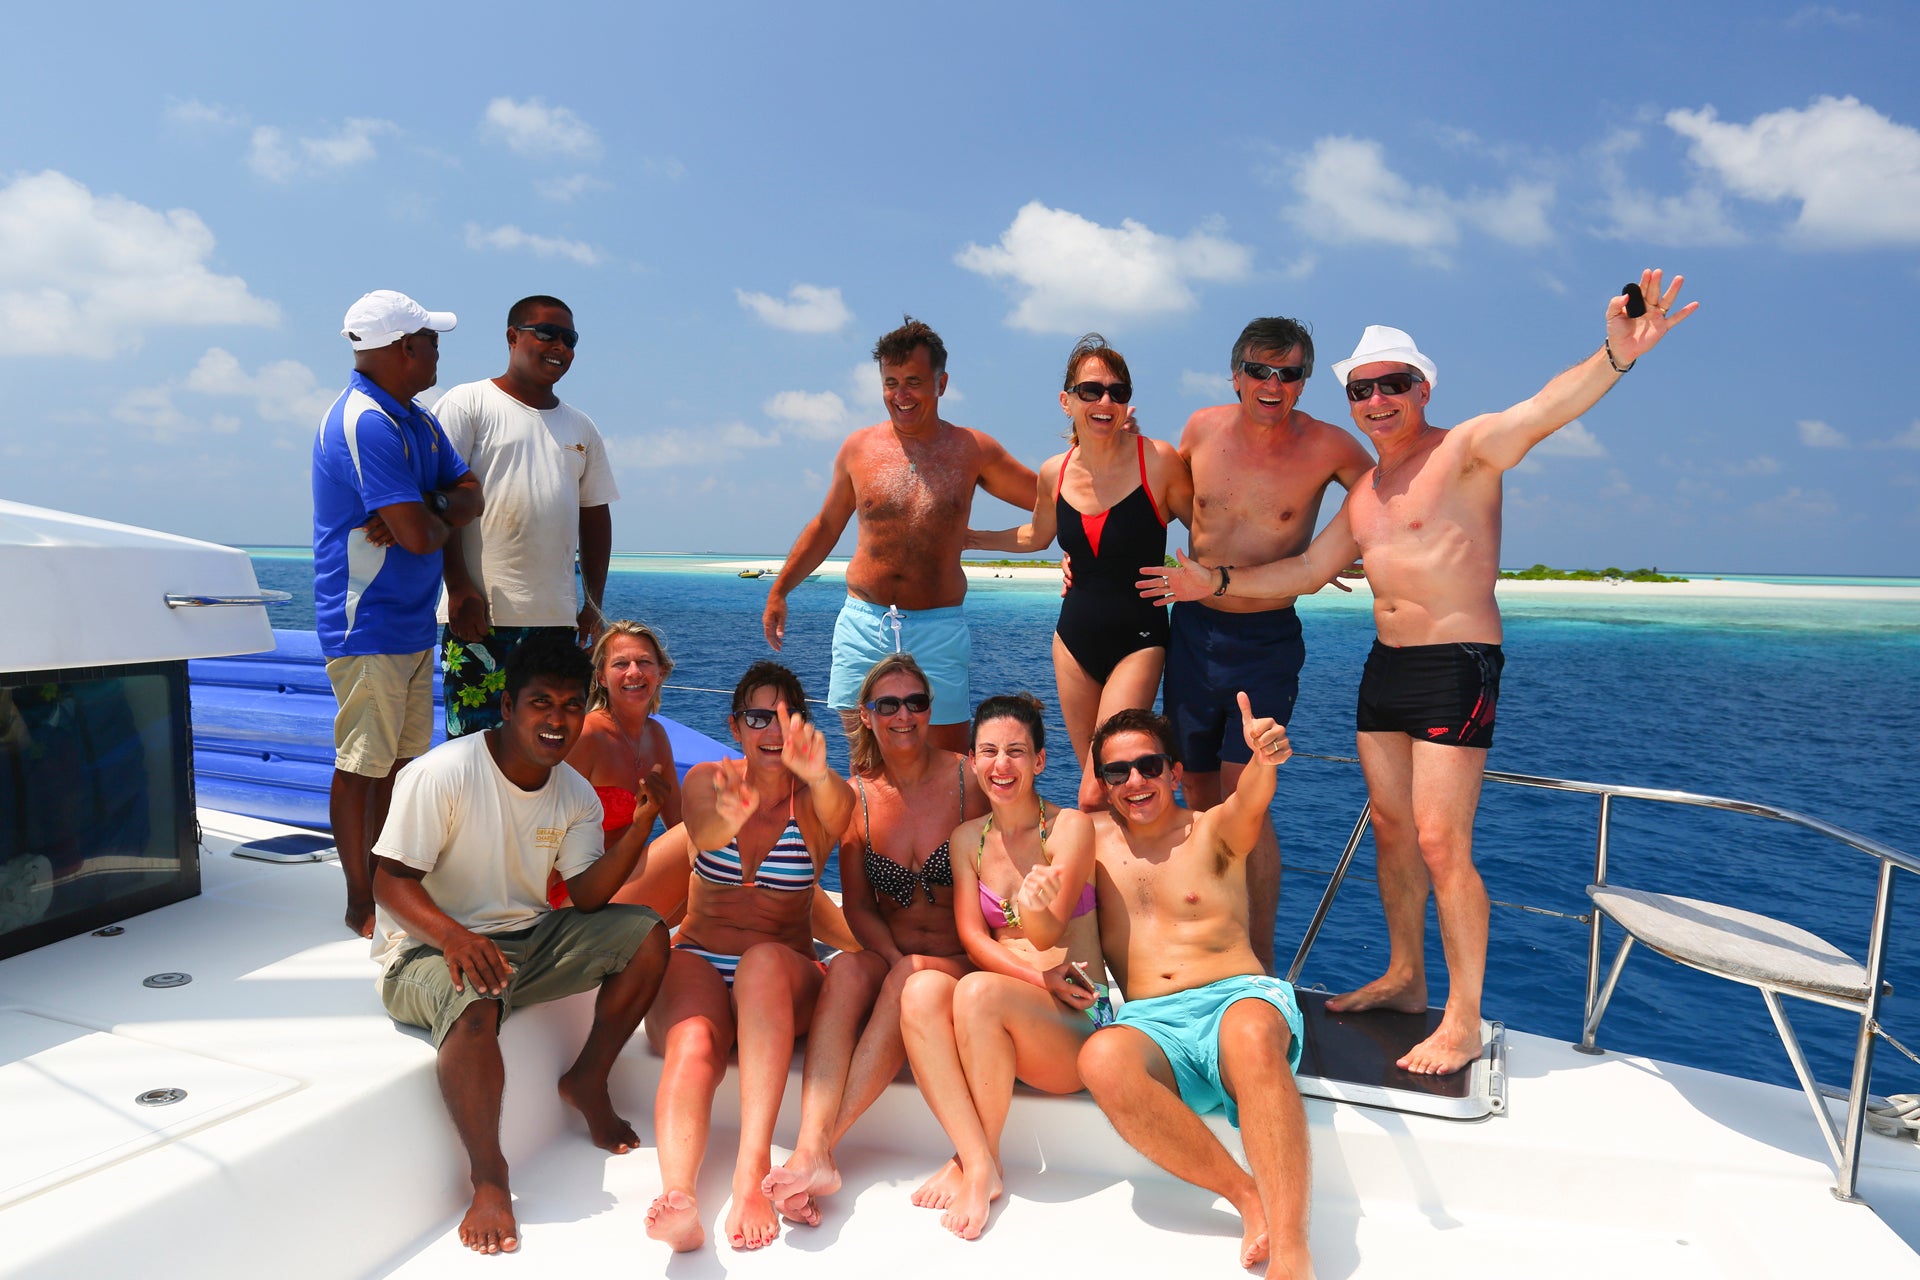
[(178, 600)]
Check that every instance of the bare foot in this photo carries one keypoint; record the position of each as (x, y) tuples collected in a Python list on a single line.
[(674, 1220), (967, 1217), (489, 1226), (589, 1097), (360, 919), (938, 1191), (1453, 1044), (1255, 1246), (1404, 994), (796, 1185), (751, 1223)]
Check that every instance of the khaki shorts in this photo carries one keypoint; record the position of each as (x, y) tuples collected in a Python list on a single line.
[(386, 710), (567, 951)]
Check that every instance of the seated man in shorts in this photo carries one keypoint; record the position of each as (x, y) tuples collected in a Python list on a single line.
[(464, 934), (1203, 1027)]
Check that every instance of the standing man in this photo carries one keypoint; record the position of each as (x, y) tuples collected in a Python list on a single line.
[(388, 491), (1428, 524), (1260, 469), (1204, 1027), (548, 483), (466, 935), (911, 478)]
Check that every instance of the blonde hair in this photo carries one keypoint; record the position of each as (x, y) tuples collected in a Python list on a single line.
[(863, 745), (597, 692)]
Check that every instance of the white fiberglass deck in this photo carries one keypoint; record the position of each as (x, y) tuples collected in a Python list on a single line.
[(340, 1162)]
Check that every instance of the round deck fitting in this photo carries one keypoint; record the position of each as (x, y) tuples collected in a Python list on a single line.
[(167, 980)]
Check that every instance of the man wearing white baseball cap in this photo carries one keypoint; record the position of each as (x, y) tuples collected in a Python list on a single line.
[(387, 491), (1427, 522)]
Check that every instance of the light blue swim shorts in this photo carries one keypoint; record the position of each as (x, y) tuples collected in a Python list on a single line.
[(938, 639), (1186, 1027)]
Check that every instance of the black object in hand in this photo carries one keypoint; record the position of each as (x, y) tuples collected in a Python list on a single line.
[(1636, 302)]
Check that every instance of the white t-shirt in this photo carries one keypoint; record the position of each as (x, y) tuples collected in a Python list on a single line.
[(487, 846), (537, 468)]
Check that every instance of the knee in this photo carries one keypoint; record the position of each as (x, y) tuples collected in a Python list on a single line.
[(925, 998), (481, 1018), (762, 963), (980, 999), (1443, 847), (1103, 1061), (1253, 1032), (654, 950)]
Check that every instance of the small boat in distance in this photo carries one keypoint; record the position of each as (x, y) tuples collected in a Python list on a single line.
[(753, 573)]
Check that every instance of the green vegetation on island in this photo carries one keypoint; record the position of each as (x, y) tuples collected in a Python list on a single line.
[(1542, 573), (1010, 564)]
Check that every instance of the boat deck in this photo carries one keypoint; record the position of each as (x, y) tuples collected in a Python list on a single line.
[(313, 1143)]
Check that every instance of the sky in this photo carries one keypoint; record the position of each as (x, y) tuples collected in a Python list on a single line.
[(737, 199)]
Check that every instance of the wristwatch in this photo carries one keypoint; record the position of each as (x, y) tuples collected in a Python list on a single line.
[(437, 502), (1225, 578)]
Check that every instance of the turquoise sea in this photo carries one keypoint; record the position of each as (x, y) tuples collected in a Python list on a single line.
[(1807, 705)]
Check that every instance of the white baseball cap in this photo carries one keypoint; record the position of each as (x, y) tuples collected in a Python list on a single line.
[(1383, 344), (383, 317)]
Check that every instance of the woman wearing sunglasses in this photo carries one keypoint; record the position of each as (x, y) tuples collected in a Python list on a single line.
[(1113, 491), (743, 969), (896, 877), (625, 753), (1023, 902)]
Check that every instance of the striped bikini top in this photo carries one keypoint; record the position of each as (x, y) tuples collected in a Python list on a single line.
[(787, 867)]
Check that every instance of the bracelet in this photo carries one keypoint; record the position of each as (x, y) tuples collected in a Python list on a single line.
[(1225, 579), (1607, 345)]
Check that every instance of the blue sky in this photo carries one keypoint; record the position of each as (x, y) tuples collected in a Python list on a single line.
[(737, 199)]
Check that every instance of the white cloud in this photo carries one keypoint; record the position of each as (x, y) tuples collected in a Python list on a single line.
[(1795, 504), (1854, 172), (1763, 465), (1816, 434), (277, 158), (509, 238), (1908, 439), (281, 391), (532, 128), (808, 308), (815, 415), (1205, 386), (1348, 195), (88, 275), (689, 447), (1071, 273), (1571, 441), (1696, 217), (195, 114), (567, 190), (1823, 15)]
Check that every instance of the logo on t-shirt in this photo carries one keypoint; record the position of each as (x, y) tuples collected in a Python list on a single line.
[(548, 837)]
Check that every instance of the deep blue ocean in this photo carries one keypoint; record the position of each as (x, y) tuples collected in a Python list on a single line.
[(1806, 705)]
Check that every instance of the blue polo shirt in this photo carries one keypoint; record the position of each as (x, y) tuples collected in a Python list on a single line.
[(372, 451)]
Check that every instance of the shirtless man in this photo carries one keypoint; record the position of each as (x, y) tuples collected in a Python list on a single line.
[(1260, 468), (911, 480), (1204, 1028), (1428, 524)]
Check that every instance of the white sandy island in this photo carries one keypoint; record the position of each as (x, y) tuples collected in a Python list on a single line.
[(1692, 589)]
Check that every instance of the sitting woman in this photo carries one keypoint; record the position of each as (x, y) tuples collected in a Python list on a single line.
[(1023, 901), (1109, 645), (743, 968), (896, 878), (619, 747)]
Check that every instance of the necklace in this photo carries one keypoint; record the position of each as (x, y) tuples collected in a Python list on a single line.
[(1382, 470), (1009, 908)]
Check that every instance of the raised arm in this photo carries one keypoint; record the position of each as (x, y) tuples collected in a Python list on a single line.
[(1039, 532), (1330, 552), (1237, 820), (1501, 440), (803, 749), (1047, 897), (814, 544), (717, 803)]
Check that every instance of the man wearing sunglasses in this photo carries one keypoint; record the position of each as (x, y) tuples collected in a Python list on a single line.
[(548, 483), (1260, 468), (1427, 522), (911, 479), (1204, 1027), (388, 492)]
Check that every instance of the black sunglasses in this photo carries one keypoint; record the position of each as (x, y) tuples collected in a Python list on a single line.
[(1116, 772), (918, 703), (548, 332), (1391, 384), (1092, 391), (760, 717), (1261, 372)]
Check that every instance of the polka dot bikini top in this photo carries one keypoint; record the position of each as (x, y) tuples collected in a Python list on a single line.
[(897, 882)]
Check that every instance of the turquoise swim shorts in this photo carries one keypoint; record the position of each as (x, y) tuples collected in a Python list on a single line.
[(938, 639), (1186, 1027)]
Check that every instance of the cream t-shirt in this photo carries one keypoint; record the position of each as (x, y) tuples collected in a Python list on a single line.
[(486, 845), (537, 468)]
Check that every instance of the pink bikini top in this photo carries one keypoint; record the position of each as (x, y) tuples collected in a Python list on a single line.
[(996, 908)]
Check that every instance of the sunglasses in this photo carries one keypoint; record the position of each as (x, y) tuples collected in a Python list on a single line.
[(1121, 392), (1116, 772), (760, 717), (548, 332), (918, 703), (1392, 384), (1261, 372)]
